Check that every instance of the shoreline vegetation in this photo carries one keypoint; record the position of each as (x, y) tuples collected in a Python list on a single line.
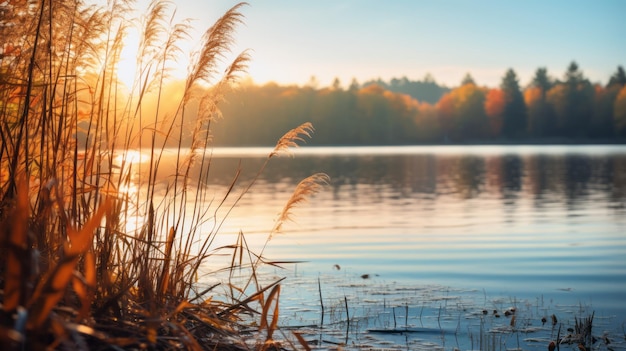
[(405, 112), (95, 253)]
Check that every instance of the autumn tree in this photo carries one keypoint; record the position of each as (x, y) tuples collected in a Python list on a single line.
[(620, 112), (494, 109), (428, 129), (603, 122), (514, 113), (334, 113), (462, 113), (472, 120), (446, 116), (386, 117)]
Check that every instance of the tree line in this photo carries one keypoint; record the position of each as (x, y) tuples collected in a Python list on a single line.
[(403, 112)]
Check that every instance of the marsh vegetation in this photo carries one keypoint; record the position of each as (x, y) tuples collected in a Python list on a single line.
[(113, 208), (95, 252)]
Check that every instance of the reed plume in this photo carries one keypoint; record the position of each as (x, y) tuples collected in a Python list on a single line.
[(306, 188), (216, 42), (292, 137), (96, 252)]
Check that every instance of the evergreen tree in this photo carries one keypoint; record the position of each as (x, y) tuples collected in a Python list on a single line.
[(541, 118), (602, 123), (468, 79), (618, 79), (354, 85), (426, 90), (542, 80), (514, 113), (575, 113)]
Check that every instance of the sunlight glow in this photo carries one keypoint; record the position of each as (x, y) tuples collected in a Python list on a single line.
[(127, 65), (131, 157)]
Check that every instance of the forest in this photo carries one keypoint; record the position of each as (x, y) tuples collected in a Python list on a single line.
[(405, 112)]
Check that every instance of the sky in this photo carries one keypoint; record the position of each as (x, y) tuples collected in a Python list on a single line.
[(291, 41)]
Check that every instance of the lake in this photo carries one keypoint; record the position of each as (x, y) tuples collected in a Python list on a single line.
[(430, 236)]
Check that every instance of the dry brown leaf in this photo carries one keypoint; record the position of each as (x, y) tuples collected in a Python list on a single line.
[(17, 235)]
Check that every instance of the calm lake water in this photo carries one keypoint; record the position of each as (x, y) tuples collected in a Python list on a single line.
[(541, 228)]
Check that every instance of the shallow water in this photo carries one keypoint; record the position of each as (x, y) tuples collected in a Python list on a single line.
[(442, 233)]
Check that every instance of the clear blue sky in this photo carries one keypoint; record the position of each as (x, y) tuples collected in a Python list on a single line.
[(292, 40)]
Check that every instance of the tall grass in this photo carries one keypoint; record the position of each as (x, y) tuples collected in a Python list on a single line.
[(100, 250)]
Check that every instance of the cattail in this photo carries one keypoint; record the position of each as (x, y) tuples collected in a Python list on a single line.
[(551, 346)]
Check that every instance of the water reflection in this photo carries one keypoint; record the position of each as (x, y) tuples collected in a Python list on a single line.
[(494, 218), (509, 176)]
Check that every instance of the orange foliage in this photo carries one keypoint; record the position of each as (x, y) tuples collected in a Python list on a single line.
[(403, 102), (426, 109), (531, 95), (620, 111), (372, 89), (494, 103), (494, 108), (289, 92), (445, 108)]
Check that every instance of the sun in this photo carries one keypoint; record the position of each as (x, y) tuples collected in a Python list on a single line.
[(127, 64)]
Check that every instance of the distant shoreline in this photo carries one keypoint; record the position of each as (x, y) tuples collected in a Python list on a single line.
[(542, 141), (507, 142)]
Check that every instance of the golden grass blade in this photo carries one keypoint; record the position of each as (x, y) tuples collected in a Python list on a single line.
[(237, 249), (90, 268), (51, 290), (271, 327), (254, 297), (151, 331), (182, 306), (165, 273), (302, 342), (291, 138), (15, 233), (81, 240), (85, 286)]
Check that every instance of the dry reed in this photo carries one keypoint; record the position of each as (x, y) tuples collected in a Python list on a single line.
[(87, 262)]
